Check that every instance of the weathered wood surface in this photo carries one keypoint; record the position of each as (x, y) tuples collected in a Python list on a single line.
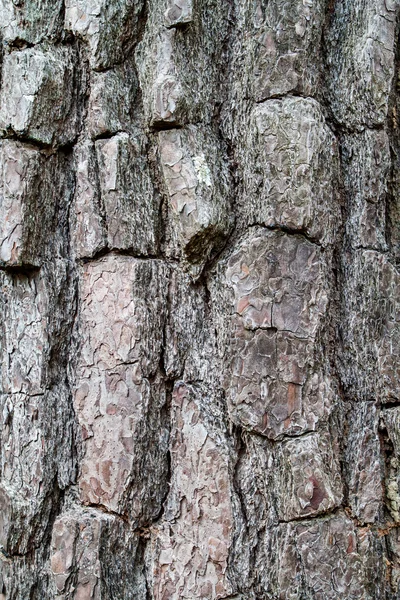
[(200, 300)]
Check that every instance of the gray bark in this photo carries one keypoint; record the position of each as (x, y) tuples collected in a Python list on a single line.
[(200, 300)]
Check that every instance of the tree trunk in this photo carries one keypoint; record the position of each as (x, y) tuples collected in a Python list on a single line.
[(200, 306)]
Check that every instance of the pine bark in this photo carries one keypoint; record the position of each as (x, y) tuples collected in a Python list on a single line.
[(200, 300)]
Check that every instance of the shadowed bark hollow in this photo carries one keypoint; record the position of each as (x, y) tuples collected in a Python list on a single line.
[(200, 300)]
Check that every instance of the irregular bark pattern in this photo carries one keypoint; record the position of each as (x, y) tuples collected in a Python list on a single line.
[(200, 300)]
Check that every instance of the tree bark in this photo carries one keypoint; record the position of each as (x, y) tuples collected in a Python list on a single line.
[(200, 300)]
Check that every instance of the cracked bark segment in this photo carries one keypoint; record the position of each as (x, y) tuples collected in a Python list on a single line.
[(122, 313), (179, 12), (197, 185), (276, 295), (88, 227), (24, 577), (179, 67), (291, 169), (253, 480), (109, 28), (111, 100), (393, 198), (88, 543), (164, 96), (307, 476), (278, 44), (25, 340), (22, 213), (190, 547), (35, 192), (36, 456), (291, 480), (390, 423), (366, 164), (131, 205), (370, 327), (36, 311), (30, 21), (22, 447), (124, 466), (119, 395), (330, 559), (393, 543), (188, 338), (325, 559), (39, 96), (360, 61), (22, 467), (363, 463)]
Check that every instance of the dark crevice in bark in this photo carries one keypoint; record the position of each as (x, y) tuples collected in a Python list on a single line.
[(283, 436), (290, 94), (29, 142), (27, 270), (141, 25), (19, 44), (343, 129), (141, 570), (111, 67), (289, 231), (105, 510), (108, 135), (61, 16), (38, 550), (164, 500), (392, 207), (219, 253), (371, 249), (239, 230), (313, 517), (125, 252), (165, 126), (228, 148), (387, 405), (84, 82), (79, 76), (166, 419), (237, 435), (273, 329), (242, 536), (388, 454), (338, 421)]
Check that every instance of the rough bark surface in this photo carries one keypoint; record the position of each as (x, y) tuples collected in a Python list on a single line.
[(200, 300)]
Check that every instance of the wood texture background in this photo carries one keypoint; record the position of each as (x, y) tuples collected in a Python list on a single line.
[(200, 300)]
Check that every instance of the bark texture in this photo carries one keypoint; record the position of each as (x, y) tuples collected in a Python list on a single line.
[(200, 300)]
